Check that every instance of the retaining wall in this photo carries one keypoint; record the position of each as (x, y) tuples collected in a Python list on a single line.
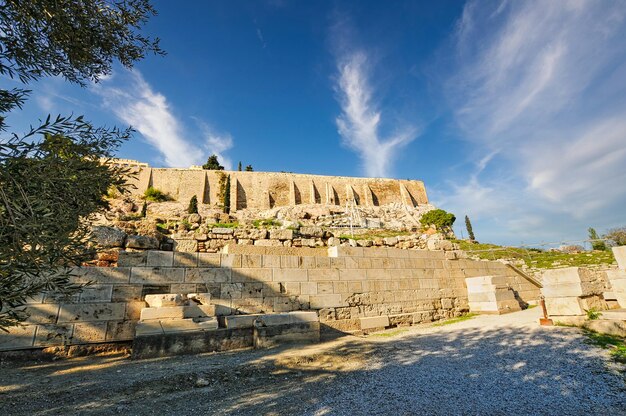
[(346, 286), (264, 190)]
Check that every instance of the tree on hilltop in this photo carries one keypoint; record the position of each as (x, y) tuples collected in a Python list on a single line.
[(249, 168), (438, 218), (596, 242), (51, 178), (212, 163)]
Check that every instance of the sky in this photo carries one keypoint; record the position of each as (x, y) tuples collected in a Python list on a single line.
[(511, 112)]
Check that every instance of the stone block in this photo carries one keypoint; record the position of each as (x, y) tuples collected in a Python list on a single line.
[(502, 306), (126, 293), (230, 260), (186, 245), (251, 260), (374, 322), (120, 330), (567, 275), (281, 234), (101, 274), (142, 242), (223, 231), (107, 237), (271, 336), (48, 335), (148, 328), (491, 296), (352, 274), (160, 258), (290, 275), (268, 243), (183, 288), (182, 259), (182, 325), (607, 326), (42, 313), (18, 337), (85, 333), (312, 231), (564, 306), (177, 312), (86, 312), (308, 288), (132, 258), (240, 321), (156, 275), (96, 293), (231, 290), (209, 260), (166, 299), (326, 301), (620, 256), (201, 298), (303, 316), (207, 275)]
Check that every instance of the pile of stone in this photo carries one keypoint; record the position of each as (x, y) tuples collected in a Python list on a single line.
[(491, 294), (173, 312), (111, 240)]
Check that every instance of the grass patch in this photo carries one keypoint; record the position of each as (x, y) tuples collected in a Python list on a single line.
[(388, 334), (270, 222), (532, 306), (223, 225), (616, 344), (374, 234), (537, 258), (155, 195), (456, 320)]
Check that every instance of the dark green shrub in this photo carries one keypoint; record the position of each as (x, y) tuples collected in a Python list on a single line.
[(144, 209), (596, 242), (193, 205), (154, 195), (439, 218)]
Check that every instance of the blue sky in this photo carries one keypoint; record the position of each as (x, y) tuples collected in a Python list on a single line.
[(512, 112)]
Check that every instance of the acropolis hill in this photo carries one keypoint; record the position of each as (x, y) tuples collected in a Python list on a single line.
[(266, 190)]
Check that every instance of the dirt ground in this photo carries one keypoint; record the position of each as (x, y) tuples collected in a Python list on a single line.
[(486, 365)]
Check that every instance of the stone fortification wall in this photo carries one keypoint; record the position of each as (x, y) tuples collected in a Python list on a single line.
[(348, 286), (265, 190)]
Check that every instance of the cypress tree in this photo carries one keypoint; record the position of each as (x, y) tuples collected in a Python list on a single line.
[(193, 205), (470, 232)]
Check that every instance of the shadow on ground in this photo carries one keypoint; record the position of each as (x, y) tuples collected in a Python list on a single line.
[(436, 371)]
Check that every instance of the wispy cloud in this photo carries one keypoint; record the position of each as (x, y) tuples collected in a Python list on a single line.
[(360, 121), (543, 84), (135, 102), (216, 143)]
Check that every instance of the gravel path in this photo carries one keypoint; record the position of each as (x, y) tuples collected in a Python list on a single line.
[(487, 365)]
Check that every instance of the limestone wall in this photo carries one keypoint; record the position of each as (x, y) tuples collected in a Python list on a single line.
[(264, 190), (346, 286)]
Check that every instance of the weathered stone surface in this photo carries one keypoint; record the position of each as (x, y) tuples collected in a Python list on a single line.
[(312, 231), (18, 337), (281, 234), (270, 336), (108, 236), (88, 312), (177, 312), (186, 246), (374, 322), (620, 256), (224, 231), (268, 243), (143, 242), (152, 275), (85, 333), (160, 258), (194, 218), (168, 299)]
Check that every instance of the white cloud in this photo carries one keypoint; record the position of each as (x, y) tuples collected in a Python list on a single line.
[(542, 84), (360, 122), (133, 101), (217, 144)]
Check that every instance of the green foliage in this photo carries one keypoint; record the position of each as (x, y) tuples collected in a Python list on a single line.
[(51, 178), (537, 258), (616, 344), (456, 320), (441, 219), (223, 225), (144, 209), (249, 168), (48, 188), (212, 164), (617, 236), (270, 222), (155, 195), (227, 195), (593, 313), (470, 231), (595, 244), (193, 205), (239, 167), (184, 225)]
